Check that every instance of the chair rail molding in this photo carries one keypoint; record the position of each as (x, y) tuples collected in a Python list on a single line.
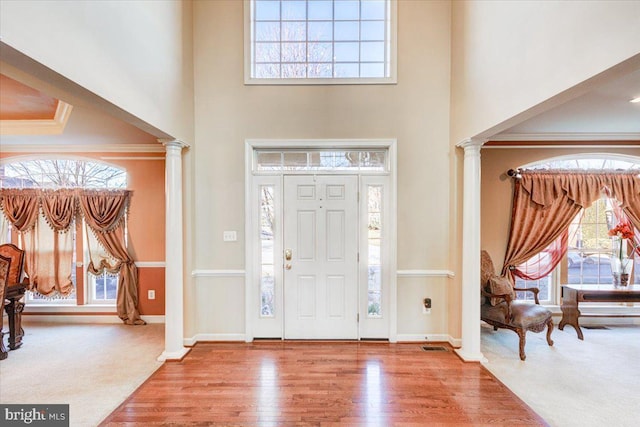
[(425, 273), (218, 273)]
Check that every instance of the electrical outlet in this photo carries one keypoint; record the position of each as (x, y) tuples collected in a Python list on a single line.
[(229, 236), (151, 294), (426, 306)]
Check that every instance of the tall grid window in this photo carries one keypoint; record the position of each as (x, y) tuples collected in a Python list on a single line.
[(340, 40)]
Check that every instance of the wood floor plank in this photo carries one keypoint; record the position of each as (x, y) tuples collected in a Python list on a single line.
[(281, 383)]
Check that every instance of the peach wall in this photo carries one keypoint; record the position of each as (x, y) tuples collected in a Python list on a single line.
[(151, 278), (497, 188), (146, 239)]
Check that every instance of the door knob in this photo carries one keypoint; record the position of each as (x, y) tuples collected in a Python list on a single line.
[(287, 254), (288, 266)]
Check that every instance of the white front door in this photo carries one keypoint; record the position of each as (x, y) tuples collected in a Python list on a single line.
[(321, 242)]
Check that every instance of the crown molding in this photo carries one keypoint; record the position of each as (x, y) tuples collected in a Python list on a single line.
[(83, 148), (53, 126), (568, 136)]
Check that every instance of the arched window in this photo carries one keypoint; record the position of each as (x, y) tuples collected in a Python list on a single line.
[(589, 254), (61, 173), (66, 172)]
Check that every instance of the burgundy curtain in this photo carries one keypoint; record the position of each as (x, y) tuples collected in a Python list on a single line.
[(546, 202), (538, 267)]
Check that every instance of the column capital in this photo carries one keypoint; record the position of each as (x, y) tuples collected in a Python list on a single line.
[(471, 143), (172, 142)]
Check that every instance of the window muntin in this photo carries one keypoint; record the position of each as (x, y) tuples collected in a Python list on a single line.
[(589, 254), (103, 288), (544, 284), (321, 160), (587, 162), (320, 41), (61, 173)]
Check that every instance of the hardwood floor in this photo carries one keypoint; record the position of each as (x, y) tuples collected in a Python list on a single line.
[(290, 383)]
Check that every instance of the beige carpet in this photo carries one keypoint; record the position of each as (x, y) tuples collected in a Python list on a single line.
[(92, 367), (595, 382)]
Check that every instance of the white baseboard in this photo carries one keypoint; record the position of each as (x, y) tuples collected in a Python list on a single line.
[(455, 342), (213, 337)]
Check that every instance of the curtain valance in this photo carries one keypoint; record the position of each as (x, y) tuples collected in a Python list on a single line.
[(104, 209), (582, 188)]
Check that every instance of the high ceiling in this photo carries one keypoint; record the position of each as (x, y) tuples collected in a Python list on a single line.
[(602, 113)]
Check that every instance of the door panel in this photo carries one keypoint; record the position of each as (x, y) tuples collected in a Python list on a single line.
[(321, 279)]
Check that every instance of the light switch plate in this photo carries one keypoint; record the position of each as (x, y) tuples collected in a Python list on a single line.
[(229, 236)]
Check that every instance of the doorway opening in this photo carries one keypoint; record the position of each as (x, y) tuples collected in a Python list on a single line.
[(320, 239)]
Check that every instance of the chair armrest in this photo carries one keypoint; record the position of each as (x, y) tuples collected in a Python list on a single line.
[(506, 297), (533, 289)]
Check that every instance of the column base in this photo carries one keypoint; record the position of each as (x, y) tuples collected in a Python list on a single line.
[(470, 357), (173, 355)]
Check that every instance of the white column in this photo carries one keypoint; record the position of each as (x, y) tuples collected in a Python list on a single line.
[(173, 276), (470, 350)]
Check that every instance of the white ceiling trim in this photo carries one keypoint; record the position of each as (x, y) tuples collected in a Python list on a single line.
[(54, 126), (547, 146), (97, 148), (620, 136)]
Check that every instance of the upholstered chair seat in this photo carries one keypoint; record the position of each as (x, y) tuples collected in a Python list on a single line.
[(499, 308)]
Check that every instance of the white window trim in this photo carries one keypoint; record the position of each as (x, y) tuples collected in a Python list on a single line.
[(252, 178), (393, 59)]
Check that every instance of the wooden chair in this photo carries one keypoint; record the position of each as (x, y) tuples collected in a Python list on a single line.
[(14, 293), (500, 309), (5, 264)]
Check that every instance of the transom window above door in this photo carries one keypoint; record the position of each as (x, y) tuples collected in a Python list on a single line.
[(320, 41), (334, 159)]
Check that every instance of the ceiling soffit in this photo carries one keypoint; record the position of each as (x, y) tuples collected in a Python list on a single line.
[(27, 111)]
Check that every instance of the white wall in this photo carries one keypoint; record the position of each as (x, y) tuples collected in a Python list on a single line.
[(509, 56), (134, 54), (415, 112)]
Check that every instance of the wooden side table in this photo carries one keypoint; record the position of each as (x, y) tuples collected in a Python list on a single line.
[(572, 295)]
